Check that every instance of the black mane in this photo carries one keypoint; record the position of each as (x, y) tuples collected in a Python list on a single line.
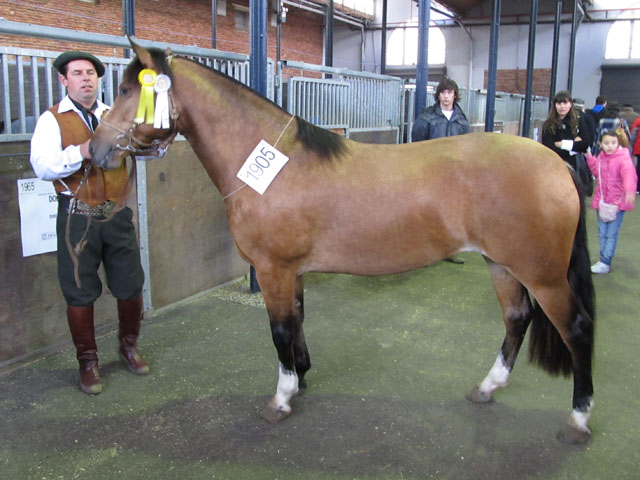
[(323, 142)]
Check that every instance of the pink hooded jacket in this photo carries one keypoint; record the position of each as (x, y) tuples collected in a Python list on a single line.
[(618, 175)]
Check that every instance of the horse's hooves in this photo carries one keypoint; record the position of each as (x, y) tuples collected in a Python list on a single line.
[(302, 387), (573, 436), (476, 396), (274, 415)]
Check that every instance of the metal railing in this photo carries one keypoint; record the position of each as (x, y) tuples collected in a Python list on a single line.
[(29, 85), (321, 102), (351, 100)]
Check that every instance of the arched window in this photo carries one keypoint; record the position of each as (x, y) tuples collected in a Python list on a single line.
[(402, 46), (623, 40)]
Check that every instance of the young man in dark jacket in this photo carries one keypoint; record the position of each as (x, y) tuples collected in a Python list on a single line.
[(445, 118)]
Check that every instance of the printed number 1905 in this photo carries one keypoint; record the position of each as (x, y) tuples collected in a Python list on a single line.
[(260, 162)]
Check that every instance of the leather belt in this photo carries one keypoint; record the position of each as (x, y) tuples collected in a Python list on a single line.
[(103, 209)]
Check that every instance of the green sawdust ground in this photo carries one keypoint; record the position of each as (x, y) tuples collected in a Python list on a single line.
[(392, 360)]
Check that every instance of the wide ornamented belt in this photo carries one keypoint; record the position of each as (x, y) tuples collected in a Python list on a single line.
[(79, 207)]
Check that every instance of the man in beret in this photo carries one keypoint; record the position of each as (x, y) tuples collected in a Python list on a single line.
[(88, 231)]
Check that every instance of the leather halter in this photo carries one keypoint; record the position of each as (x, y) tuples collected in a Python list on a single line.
[(157, 148)]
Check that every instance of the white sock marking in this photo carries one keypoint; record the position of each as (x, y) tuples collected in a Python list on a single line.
[(579, 419), (287, 387), (498, 376)]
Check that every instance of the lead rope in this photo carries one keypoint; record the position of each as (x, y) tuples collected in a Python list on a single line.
[(274, 145)]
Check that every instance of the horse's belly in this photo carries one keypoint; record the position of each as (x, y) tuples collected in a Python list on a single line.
[(381, 254)]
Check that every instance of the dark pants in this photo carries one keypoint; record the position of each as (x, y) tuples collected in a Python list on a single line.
[(112, 243)]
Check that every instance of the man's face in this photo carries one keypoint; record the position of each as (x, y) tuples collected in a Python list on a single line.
[(81, 81), (447, 97)]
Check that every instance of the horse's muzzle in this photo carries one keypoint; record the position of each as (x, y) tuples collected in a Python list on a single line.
[(104, 155)]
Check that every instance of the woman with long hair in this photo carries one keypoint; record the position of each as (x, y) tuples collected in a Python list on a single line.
[(565, 131)]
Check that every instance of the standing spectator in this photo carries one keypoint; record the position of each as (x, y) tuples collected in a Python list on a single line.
[(612, 121), (60, 154), (634, 146), (592, 125), (445, 118), (564, 131), (599, 109), (629, 114), (616, 184)]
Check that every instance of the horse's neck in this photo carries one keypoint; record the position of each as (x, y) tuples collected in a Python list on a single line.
[(223, 122)]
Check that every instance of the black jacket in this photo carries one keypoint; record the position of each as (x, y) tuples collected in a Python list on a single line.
[(432, 123), (564, 133)]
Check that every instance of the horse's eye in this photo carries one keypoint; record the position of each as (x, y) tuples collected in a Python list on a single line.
[(124, 90)]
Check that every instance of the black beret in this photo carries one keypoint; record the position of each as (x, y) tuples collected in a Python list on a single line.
[(67, 57)]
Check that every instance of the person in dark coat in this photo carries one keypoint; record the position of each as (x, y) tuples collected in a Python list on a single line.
[(596, 114), (445, 118), (564, 131), (592, 126)]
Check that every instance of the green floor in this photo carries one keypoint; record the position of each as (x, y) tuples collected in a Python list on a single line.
[(393, 358)]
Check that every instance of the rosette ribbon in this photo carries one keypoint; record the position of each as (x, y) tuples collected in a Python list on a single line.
[(147, 78), (161, 87)]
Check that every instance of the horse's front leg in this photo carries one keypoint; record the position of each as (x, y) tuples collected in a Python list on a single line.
[(278, 290), (301, 354), (517, 310)]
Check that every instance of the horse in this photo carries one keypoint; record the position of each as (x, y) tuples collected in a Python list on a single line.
[(340, 206)]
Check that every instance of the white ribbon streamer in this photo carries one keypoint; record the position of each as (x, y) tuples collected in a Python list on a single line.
[(161, 87)]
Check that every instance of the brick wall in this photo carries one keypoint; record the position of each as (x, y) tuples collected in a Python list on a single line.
[(185, 22), (515, 81)]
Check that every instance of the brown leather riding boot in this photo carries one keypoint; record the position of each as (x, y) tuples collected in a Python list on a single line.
[(82, 332), (130, 316)]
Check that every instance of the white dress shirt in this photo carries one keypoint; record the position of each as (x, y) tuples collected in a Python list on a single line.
[(48, 159)]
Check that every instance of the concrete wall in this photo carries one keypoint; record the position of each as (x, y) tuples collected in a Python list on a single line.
[(190, 247)]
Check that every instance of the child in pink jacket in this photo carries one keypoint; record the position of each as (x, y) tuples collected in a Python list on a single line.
[(616, 177)]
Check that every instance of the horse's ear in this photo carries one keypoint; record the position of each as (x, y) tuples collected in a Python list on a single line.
[(143, 54)]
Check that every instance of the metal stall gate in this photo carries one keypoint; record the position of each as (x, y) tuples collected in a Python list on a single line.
[(366, 106)]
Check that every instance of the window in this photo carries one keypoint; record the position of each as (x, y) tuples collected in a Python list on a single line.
[(402, 46), (623, 40), (242, 17), (221, 7)]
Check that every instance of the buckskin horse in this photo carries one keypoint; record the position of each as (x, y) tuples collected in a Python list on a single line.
[(346, 207)]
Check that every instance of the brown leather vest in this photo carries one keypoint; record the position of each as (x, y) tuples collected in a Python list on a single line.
[(101, 184)]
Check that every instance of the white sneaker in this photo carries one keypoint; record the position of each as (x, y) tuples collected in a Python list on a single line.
[(600, 267)]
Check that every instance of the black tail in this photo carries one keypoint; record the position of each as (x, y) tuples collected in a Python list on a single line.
[(546, 347)]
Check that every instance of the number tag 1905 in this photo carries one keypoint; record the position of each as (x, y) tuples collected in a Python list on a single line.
[(262, 166)]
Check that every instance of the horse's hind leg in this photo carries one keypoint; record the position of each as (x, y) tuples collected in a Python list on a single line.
[(562, 342), (516, 309), (283, 301)]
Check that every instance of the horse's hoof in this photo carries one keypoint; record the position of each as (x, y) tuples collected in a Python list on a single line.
[(476, 396), (274, 415), (302, 387), (573, 436)]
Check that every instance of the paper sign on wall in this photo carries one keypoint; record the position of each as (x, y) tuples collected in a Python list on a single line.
[(38, 205)]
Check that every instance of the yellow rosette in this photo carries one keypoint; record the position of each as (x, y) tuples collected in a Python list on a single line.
[(147, 79)]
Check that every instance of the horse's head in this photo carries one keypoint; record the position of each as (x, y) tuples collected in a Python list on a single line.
[(127, 128)]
